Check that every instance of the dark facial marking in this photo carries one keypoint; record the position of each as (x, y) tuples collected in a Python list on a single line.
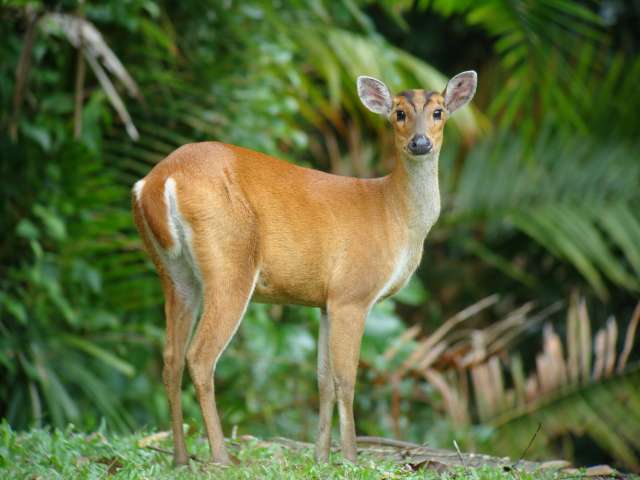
[(427, 97), (408, 95)]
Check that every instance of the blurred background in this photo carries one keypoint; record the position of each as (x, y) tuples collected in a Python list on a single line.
[(521, 316)]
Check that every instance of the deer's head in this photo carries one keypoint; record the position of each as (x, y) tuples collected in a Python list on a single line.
[(418, 116)]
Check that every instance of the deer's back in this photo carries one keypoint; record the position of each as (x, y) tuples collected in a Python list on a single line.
[(305, 227)]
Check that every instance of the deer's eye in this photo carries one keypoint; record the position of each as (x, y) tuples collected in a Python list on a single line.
[(400, 116), (437, 114)]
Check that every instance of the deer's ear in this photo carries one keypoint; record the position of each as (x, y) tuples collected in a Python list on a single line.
[(375, 95), (460, 90)]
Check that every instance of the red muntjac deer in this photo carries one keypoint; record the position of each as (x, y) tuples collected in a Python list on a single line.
[(225, 225)]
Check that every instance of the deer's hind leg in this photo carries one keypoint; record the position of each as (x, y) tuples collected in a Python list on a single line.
[(182, 298), (229, 274), (181, 302)]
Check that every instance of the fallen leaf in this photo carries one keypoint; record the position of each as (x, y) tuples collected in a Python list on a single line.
[(554, 465), (97, 436), (156, 437), (113, 464), (437, 467), (600, 471)]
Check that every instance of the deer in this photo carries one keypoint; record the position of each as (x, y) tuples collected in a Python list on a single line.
[(225, 225)]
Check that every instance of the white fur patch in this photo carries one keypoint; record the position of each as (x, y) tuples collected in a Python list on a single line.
[(398, 274), (173, 215), (184, 280), (424, 194), (181, 268), (137, 189), (180, 229)]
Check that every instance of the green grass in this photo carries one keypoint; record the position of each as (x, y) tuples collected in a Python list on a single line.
[(51, 454)]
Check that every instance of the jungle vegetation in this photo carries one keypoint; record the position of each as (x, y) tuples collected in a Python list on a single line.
[(523, 312)]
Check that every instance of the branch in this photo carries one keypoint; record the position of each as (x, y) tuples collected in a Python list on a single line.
[(80, 76), (22, 70)]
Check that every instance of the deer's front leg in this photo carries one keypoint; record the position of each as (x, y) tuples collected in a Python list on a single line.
[(326, 391), (345, 334)]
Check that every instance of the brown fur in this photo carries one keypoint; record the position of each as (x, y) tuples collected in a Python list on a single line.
[(309, 233), (246, 226), (418, 108)]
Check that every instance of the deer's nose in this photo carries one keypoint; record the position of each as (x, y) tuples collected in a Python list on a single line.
[(419, 145)]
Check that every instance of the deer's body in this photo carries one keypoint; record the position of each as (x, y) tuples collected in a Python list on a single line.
[(225, 225), (300, 258)]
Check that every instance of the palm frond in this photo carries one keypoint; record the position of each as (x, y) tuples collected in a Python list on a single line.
[(83, 35), (574, 386), (534, 40), (576, 197)]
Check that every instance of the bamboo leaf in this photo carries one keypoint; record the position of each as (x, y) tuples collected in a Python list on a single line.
[(107, 357)]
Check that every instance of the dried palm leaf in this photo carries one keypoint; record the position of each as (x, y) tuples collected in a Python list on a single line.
[(83, 35), (628, 341)]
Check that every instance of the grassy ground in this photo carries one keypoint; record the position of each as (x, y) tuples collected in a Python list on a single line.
[(44, 454)]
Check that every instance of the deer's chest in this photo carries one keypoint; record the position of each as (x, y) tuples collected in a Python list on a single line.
[(405, 261)]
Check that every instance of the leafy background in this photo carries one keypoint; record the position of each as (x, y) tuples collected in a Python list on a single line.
[(541, 213)]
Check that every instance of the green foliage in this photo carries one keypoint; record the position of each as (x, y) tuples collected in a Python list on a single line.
[(83, 298), (564, 195), (536, 42), (540, 189), (59, 348)]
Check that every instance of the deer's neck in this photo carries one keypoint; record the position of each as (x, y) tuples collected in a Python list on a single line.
[(414, 186)]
